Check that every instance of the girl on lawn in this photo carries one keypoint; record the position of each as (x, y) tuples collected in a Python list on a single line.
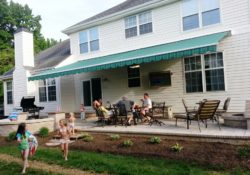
[(22, 136), (64, 132)]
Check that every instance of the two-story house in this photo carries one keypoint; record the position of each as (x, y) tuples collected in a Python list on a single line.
[(171, 49)]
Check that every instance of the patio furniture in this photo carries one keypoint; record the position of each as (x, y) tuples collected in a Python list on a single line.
[(187, 109), (101, 117), (206, 111), (157, 111), (219, 112), (123, 113)]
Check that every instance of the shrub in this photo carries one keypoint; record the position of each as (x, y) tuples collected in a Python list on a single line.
[(44, 132), (88, 138), (155, 140), (85, 135), (244, 152), (11, 136), (127, 143), (176, 148), (114, 137)]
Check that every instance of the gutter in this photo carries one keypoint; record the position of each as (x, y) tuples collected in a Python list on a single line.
[(118, 15)]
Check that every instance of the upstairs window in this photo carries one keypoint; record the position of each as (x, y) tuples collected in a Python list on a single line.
[(197, 13), (9, 92), (131, 26), (138, 24), (89, 40), (210, 12), (190, 12), (47, 90), (134, 79)]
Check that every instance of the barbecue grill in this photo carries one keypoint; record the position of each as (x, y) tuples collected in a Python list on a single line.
[(27, 104)]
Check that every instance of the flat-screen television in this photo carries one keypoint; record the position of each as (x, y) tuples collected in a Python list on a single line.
[(157, 79)]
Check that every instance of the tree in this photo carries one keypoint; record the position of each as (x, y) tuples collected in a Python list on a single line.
[(13, 16)]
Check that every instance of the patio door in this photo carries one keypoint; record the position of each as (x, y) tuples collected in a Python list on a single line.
[(92, 90)]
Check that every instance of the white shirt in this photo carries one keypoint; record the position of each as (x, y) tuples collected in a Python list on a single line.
[(147, 103)]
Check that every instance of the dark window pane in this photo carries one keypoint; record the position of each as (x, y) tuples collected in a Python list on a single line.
[(133, 72), (131, 32), (194, 82), (9, 97), (52, 93), (134, 82), (191, 22), (84, 48), (211, 17), (42, 94), (146, 28), (215, 80), (86, 93), (94, 45)]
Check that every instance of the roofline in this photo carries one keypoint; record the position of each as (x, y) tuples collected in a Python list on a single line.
[(117, 15), (3, 78)]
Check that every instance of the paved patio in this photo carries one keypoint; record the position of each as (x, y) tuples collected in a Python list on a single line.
[(212, 132)]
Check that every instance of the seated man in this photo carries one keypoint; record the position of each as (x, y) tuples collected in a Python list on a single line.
[(146, 105), (129, 105)]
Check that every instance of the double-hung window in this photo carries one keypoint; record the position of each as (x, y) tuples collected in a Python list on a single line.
[(210, 12), (204, 73), (9, 92), (145, 23), (47, 90), (89, 40), (190, 12), (131, 26), (198, 13), (138, 24)]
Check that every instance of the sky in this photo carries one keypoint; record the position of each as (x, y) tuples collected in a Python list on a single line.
[(60, 14)]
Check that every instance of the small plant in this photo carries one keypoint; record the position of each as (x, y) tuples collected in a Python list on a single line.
[(244, 152), (176, 148), (88, 138), (127, 143), (85, 135), (44, 132), (114, 137), (11, 136), (155, 140)]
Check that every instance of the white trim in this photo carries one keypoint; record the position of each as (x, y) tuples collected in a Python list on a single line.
[(118, 15)]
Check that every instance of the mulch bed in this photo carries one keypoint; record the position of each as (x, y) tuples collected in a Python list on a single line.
[(218, 155)]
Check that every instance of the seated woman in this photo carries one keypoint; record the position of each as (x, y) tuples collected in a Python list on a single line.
[(97, 105)]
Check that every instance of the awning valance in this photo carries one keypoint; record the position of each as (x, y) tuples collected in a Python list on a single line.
[(178, 49)]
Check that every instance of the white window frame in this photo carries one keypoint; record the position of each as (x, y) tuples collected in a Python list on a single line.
[(9, 90), (203, 71), (47, 91), (89, 41), (200, 18), (138, 24)]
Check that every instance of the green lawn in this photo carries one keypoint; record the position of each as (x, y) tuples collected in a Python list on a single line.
[(121, 165), (15, 169)]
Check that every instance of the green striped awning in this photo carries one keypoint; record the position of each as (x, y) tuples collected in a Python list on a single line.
[(178, 49)]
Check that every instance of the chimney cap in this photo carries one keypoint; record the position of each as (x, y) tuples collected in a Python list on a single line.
[(22, 29)]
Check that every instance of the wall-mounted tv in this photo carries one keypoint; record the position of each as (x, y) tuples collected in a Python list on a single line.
[(157, 79)]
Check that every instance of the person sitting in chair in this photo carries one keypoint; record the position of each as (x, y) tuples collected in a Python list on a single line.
[(129, 105), (146, 105), (97, 105)]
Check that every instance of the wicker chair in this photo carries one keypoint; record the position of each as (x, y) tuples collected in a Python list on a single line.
[(206, 111), (220, 112), (188, 110)]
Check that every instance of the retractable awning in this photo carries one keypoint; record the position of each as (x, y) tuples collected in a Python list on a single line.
[(178, 49)]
